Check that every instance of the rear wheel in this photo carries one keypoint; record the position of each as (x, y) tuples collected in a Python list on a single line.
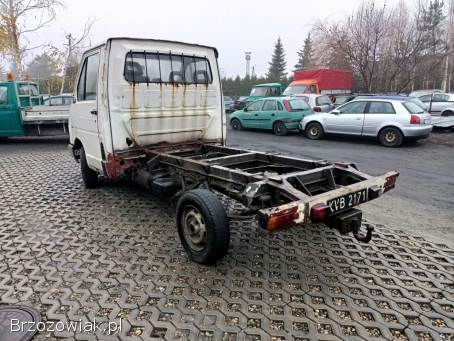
[(202, 225), (280, 129), (314, 131), (89, 176), (236, 124), (390, 137)]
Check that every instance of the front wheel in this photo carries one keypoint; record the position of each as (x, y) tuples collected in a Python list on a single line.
[(314, 131), (390, 137), (236, 124), (202, 226), (280, 129)]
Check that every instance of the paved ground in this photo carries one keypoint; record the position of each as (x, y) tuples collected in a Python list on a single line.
[(111, 253), (423, 201)]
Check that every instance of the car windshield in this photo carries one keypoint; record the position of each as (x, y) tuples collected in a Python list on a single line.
[(298, 105), (297, 89), (413, 108), (418, 102), (259, 91)]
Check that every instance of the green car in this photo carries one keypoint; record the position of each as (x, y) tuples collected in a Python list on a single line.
[(278, 114)]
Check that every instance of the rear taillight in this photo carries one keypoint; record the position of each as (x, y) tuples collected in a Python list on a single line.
[(390, 182), (319, 212), (287, 105), (282, 219), (317, 109), (414, 119)]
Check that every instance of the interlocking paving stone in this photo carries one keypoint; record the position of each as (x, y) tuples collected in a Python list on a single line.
[(113, 252)]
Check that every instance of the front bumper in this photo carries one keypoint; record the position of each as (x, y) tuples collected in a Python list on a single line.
[(417, 131)]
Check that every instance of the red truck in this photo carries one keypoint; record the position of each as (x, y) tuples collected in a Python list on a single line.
[(321, 81)]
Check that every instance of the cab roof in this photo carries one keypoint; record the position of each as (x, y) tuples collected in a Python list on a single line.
[(216, 53), (267, 84)]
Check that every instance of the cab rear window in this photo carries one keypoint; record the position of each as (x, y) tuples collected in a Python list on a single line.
[(298, 104), (149, 67)]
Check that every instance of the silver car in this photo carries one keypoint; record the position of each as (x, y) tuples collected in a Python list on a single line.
[(391, 121), (438, 104), (318, 103)]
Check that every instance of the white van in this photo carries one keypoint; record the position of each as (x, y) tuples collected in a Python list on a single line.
[(132, 93), (152, 110)]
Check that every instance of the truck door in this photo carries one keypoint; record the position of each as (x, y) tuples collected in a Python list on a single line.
[(10, 116), (85, 110), (347, 119)]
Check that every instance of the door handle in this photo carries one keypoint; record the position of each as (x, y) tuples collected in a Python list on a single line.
[(358, 118), (272, 114), (94, 112), (256, 114)]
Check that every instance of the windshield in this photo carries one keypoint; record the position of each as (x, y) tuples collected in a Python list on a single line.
[(27, 89), (418, 102), (299, 89), (298, 105), (413, 108), (259, 91)]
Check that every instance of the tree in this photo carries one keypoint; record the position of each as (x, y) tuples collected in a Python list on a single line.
[(305, 55), (278, 64), (15, 24)]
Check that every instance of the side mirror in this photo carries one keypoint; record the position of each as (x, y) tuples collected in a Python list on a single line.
[(245, 109), (74, 100), (335, 112)]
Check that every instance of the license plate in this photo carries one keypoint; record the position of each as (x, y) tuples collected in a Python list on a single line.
[(347, 201)]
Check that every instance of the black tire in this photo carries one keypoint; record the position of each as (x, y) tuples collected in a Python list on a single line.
[(236, 124), (208, 241), (314, 131), (89, 176), (279, 128), (390, 137)]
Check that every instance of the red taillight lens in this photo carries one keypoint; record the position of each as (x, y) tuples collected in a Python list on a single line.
[(319, 212), (317, 109), (287, 105), (282, 219), (390, 182), (414, 119)]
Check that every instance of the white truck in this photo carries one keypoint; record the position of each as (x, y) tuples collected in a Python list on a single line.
[(152, 110)]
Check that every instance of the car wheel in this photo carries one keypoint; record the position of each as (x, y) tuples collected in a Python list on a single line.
[(89, 176), (279, 128), (314, 131), (203, 226), (390, 137), (236, 124)]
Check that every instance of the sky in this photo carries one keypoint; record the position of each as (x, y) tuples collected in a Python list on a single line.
[(233, 27)]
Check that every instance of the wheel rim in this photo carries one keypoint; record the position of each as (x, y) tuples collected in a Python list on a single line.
[(235, 124), (390, 136), (314, 131), (194, 228), (279, 128)]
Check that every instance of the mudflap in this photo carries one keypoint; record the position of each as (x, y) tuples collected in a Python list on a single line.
[(350, 221)]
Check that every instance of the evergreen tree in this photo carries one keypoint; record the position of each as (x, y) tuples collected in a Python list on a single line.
[(278, 64), (305, 55)]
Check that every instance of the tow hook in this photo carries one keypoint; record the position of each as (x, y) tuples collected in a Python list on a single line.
[(364, 238)]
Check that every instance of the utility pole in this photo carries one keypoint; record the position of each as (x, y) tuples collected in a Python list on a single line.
[(70, 38), (446, 85)]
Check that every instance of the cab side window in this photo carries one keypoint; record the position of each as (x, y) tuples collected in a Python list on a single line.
[(353, 108), (269, 106), (88, 80), (3, 95), (381, 108)]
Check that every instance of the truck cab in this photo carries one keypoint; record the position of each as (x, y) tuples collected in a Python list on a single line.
[(265, 90), (22, 112)]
